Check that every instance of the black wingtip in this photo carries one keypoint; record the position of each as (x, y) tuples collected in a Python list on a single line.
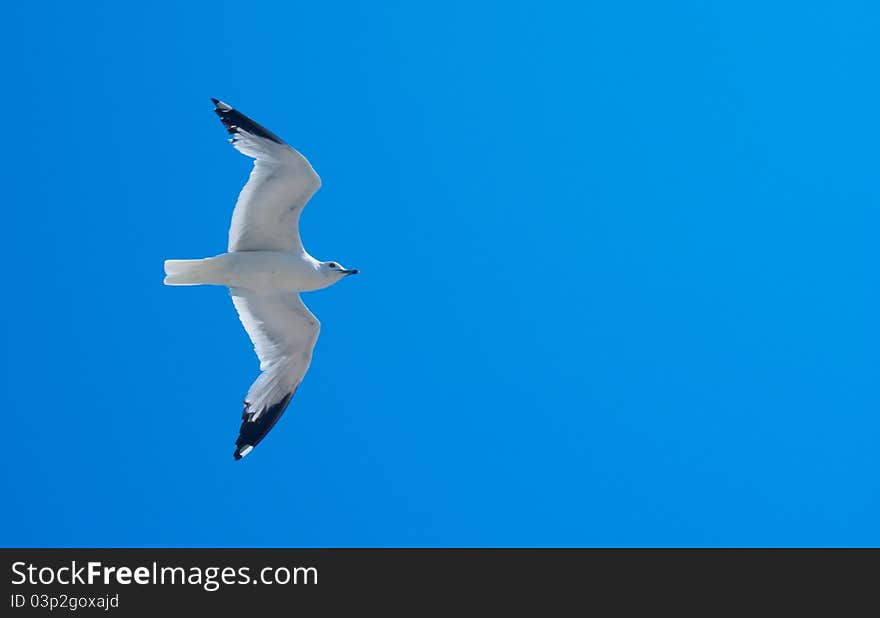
[(253, 431), (235, 121)]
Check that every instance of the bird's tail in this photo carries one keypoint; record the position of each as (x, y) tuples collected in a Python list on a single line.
[(188, 272)]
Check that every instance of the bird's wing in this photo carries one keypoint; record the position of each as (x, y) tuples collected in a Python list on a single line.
[(266, 215), (283, 332)]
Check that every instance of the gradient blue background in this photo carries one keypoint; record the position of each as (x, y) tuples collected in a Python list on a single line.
[(619, 274)]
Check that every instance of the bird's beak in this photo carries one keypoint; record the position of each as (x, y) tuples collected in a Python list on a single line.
[(351, 271)]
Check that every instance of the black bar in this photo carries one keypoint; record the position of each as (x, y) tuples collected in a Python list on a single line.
[(422, 580)]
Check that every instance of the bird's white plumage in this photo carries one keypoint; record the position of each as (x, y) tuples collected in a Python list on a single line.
[(265, 268), (266, 215), (283, 332)]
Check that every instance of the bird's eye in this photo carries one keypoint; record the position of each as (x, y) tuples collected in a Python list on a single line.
[(332, 264)]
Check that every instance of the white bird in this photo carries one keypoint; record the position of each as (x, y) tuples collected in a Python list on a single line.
[(265, 269)]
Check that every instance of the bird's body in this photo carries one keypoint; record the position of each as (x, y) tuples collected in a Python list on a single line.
[(259, 271), (265, 269)]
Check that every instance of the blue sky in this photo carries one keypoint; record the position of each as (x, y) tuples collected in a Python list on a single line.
[(618, 274)]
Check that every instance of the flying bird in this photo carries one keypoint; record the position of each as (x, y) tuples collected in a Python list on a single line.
[(265, 269)]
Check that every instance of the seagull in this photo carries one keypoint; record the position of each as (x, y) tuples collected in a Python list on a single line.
[(265, 269)]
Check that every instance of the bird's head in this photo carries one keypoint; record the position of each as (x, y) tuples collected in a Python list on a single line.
[(336, 271)]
